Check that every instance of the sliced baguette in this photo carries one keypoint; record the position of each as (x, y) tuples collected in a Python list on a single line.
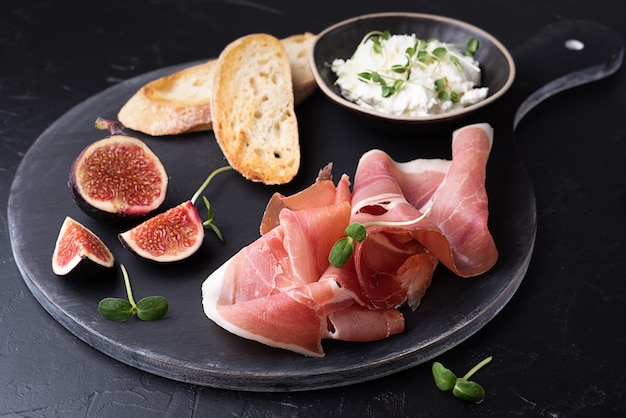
[(298, 47), (252, 105), (180, 102), (171, 105)]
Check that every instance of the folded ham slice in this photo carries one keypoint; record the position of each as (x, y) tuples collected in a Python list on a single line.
[(459, 206), (396, 261), (322, 193), (281, 291)]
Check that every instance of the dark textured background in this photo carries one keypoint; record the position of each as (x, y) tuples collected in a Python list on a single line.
[(557, 346)]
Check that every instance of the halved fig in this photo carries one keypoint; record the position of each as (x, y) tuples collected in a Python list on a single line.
[(78, 249), (118, 178), (169, 236)]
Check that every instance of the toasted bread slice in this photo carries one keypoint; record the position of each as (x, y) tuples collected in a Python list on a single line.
[(171, 105), (298, 47), (252, 105), (180, 102)]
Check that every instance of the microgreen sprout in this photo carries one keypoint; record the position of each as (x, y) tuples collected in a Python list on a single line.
[(471, 47), (461, 387), (209, 221), (417, 54), (344, 247), (455, 61), (439, 52), (444, 92), (386, 89), (376, 37), (211, 214), (149, 308)]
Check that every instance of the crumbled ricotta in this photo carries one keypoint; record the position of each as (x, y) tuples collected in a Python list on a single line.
[(418, 95)]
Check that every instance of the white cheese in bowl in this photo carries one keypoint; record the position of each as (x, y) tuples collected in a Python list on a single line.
[(405, 76)]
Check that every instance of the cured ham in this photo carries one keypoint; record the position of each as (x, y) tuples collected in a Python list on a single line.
[(281, 290), (270, 291), (396, 261), (293, 318), (456, 228), (460, 206), (322, 193)]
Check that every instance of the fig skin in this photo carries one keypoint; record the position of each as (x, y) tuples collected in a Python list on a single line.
[(181, 226), (114, 173), (88, 256)]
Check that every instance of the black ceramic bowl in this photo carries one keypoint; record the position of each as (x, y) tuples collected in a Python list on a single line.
[(341, 40)]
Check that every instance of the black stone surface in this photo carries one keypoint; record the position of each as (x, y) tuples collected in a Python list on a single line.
[(558, 343)]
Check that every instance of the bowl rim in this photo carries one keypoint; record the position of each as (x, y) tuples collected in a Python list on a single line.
[(339, 99)]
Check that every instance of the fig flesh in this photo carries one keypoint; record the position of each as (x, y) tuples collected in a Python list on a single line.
[(118, 178), (169, 236), (78, 249)]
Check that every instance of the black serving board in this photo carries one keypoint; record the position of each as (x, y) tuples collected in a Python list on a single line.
[(187, 346)]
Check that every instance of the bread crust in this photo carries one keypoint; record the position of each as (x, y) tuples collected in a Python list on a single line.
[(180, 102), (173, 104), (252, 104)]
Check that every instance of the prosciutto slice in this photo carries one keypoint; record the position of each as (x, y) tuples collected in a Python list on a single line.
[(322, 193), (270, 292), (281, 291), (454, 230), (460, 209)]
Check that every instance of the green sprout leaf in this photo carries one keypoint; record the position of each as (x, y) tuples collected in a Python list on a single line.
[(471, 47), (149, 308), (365, 75), (356, 231), (399, 68), (444, 92), (397, 84), (341, 252), (152, 308), (461, 387), (468, 390), (444, 378), (344, 247), (424, 57), (377, 37), (115, 309), (454, 60), (439, 52), (209, 221), (387, 91), (411, 51)]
